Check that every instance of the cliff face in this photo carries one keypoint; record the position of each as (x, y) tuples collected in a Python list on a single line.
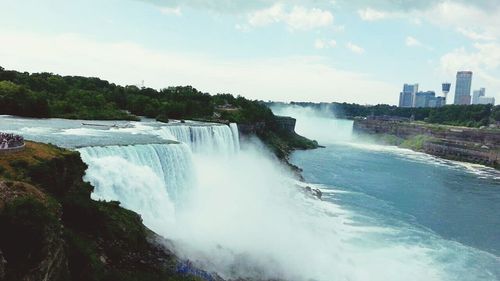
[(51, 230), (473, 145)]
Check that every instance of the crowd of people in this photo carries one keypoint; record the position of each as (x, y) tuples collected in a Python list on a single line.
[(10, 141)]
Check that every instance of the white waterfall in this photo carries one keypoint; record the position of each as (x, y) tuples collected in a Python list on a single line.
[(217, 138), (154, 179)]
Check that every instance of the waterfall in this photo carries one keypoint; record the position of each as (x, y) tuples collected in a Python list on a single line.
[(212, 139), (236, 135), (154, 179), (170, 163)]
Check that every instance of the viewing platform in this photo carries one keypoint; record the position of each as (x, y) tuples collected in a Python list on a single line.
[(11, 143)]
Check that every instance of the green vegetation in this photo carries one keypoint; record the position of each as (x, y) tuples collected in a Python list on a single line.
[(283, 143), (415, 143), (388, 139), (52, 230), (74, 97), (456, 115), (25, 223)]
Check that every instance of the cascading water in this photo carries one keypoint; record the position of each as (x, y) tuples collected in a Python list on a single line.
[(204, 139), (172, 163), (155, 179), (149, 179), (240, 215)]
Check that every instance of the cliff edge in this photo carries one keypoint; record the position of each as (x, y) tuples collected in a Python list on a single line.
[(474, 145), (51, 230)]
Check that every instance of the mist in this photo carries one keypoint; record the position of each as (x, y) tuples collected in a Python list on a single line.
[(317, 123), (241, 214)]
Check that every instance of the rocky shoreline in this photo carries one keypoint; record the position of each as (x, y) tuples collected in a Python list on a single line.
[(52, 230), (473, 145)]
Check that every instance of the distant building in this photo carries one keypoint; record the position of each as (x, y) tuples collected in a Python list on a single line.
[(463, 87), (438, 101), (429, 99), (407, 96), (486, 100), (446, 89), (477, 94), (425, 99)]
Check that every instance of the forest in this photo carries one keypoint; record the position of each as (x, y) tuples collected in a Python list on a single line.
[(45, 95)]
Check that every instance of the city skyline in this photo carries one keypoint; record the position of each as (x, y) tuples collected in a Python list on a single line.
[(412, 97)]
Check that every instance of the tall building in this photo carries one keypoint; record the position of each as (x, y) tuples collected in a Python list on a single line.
[(445, 87), (407, 96), (462, 87), (477, 94), (426, 99)]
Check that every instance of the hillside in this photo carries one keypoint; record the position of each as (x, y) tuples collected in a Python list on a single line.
[(51, 229)]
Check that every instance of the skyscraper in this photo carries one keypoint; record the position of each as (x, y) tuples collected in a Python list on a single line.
[(462, 87), (477, 94), (407, 96)]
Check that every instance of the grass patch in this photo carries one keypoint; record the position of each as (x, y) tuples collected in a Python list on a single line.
[(416, 142)]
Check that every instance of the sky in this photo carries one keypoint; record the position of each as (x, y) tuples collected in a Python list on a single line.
[(359, 51)]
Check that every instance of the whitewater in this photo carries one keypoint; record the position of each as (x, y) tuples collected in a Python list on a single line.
[(233, 209)]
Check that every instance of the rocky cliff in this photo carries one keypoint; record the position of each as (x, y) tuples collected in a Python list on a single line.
[(473, 145), (51, 230)]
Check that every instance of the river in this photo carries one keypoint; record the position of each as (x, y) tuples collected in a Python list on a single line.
[(386, 213)]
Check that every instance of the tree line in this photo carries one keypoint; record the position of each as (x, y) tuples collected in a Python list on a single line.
[(45, 95), (456, 115)]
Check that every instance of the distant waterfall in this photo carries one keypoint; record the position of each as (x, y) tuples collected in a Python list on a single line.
[(205, 139)]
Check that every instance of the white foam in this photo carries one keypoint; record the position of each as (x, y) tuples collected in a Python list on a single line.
[(38, 130), (82, 132)]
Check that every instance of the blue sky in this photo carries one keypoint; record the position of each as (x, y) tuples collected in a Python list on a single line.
[(311, 50)]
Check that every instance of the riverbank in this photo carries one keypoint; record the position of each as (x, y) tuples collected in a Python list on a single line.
[(52, 230), (473, 145)]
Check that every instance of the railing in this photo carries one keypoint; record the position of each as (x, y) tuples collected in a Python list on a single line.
[(12, 149), (10, 143)]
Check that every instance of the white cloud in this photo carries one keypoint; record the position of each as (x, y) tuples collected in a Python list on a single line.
[(319, 44), (473, 35), (476, 21), (355, 48), (467, 19), (485, 56), (299, 18), (324, 44), (242, 27), (483, 60), (412, 42), (285, 78), (370, 14), (171, 11), (243, 6)]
